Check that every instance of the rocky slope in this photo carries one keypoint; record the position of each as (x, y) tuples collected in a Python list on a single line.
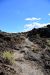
[(31, 52)]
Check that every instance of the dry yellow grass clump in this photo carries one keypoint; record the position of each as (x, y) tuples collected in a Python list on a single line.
[(8, 57)]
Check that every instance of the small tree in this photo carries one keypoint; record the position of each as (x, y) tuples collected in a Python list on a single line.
[(48, 25)]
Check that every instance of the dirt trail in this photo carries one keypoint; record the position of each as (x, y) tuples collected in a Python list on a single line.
[(26, 67)]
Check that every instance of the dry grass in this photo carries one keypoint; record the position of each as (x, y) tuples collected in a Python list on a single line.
[(8, 57)]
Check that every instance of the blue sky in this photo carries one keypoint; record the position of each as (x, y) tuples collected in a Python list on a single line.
[(23, 15)]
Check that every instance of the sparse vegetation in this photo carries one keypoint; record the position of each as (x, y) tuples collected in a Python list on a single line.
[(8, 57), (35, 50), (48, 42)]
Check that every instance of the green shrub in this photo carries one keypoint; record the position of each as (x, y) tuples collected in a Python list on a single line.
[(8, 57)]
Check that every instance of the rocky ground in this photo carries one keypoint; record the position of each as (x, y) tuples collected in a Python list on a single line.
[(31, 52)]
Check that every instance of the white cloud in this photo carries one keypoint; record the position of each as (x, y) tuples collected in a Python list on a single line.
[(28, 27), (49, 14), (32, 19)]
